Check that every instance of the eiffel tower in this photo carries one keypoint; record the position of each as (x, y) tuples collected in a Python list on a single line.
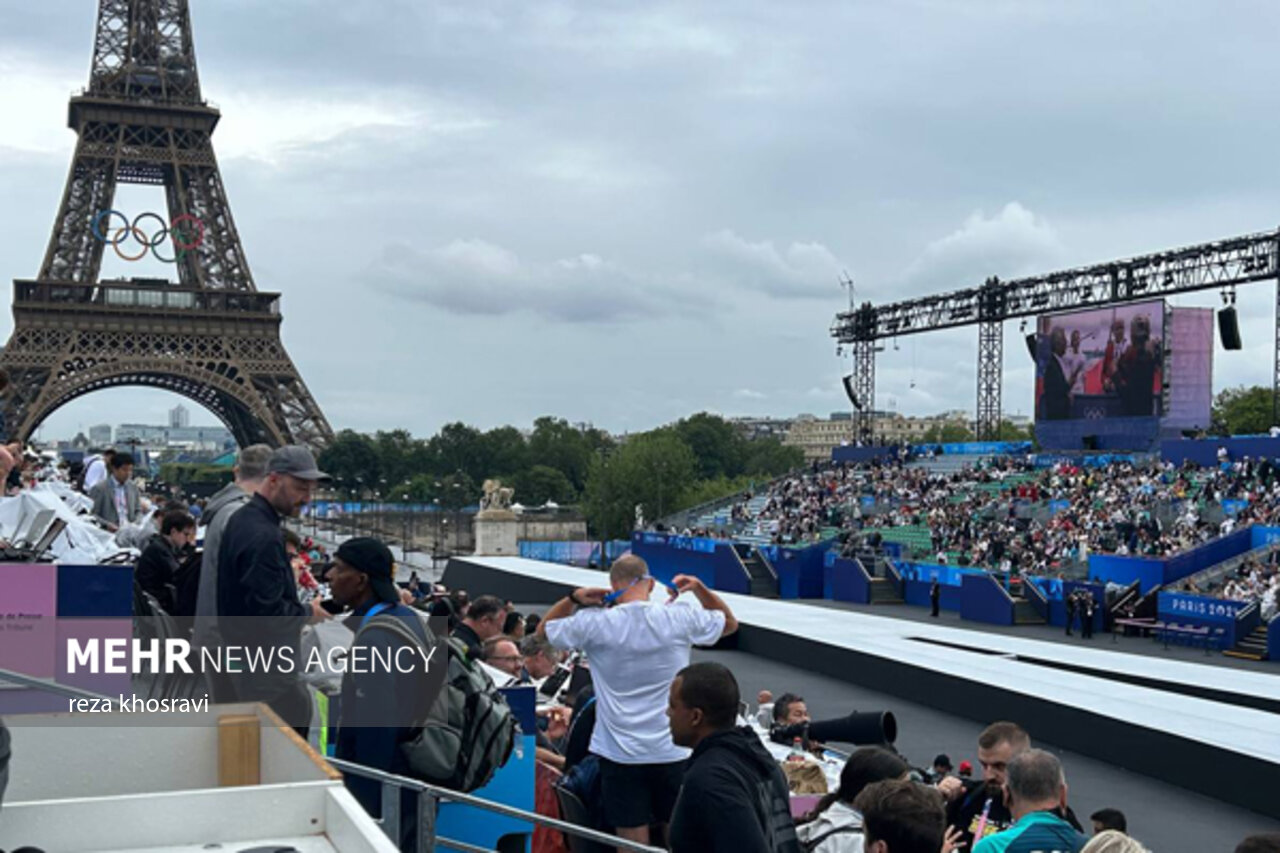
[(211, 336)]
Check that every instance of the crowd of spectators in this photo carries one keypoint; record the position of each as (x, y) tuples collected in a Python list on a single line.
[(678, 760), (1254, 581), (1004, 514), (798, 507)]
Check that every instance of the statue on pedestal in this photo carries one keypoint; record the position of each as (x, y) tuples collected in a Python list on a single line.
[(496, 501)]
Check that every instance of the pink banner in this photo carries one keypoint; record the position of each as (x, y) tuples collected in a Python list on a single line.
[(28, 618)]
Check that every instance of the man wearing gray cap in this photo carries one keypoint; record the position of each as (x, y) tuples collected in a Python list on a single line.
[(250, 473), (258, 608)]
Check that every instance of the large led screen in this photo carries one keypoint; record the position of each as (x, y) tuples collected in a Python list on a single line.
[(1104, 363)]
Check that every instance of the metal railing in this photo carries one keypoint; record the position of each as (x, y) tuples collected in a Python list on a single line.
[(54, 687), (1213, 574), (1035, 595), (430, 795)]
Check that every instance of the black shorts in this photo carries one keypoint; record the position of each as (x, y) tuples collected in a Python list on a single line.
[(639, 794)]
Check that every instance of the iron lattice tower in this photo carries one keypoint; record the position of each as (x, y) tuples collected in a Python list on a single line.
[(211, 336), (991, 310)]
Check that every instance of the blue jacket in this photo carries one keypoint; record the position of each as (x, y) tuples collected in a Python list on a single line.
[(1037, 832)]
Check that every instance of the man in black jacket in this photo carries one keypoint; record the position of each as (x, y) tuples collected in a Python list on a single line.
[(1055, 399), (734, 797), (258, 605), (157, 567)]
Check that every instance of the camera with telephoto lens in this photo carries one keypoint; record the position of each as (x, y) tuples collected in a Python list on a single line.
[(867, 728)]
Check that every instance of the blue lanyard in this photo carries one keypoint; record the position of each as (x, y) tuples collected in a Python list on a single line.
[(374, 611)]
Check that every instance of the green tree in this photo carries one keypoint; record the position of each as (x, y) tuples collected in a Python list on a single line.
[(505, 452), (716, 445), (653, 470), (1009, 432), (458, 447), (454, 491), (400, 455), (709, 490), (541, 483), (949, 432), (606, 502), (1244, 411), (569, 449), (770, 457), (352, 460)]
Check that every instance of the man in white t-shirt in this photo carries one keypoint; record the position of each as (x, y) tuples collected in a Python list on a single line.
[(635, 649), (96, 468), (1073, 362)]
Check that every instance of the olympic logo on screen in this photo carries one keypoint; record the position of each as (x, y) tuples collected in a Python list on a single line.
[(185, 231)]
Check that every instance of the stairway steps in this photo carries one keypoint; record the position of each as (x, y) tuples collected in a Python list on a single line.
[(1024, 613), (883, 591), (1252, 647), (763, 583)]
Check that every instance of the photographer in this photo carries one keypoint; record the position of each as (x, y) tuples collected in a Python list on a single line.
[(791, 710), (636, 648)]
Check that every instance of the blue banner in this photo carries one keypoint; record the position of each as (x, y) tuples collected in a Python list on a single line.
[(926, 572), (987, 448), (571, 553), (1092, 460), (683, 543), (1198, 609), (1234, 507)]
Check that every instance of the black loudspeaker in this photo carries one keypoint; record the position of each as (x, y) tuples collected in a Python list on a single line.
[(1031, 346), (1090, 442), (872, 728), (847, 381), (1229, 328)]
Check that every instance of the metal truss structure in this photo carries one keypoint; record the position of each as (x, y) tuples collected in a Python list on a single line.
[(864, 389), (211, 336), (1221, 264)]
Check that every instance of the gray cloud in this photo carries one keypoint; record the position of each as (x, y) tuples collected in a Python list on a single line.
[(694, 175), (474, 277)]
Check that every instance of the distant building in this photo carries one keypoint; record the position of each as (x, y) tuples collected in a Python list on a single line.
[(179, 416), (817, 437), (188, 437), (100, 435), (752, 428)]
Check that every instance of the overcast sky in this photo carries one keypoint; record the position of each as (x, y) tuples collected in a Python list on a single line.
[(628, 212)]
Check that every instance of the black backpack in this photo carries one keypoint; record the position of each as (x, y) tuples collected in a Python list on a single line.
[(469, 732)]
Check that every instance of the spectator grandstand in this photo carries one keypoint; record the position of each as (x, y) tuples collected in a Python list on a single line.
[(1005, 514)]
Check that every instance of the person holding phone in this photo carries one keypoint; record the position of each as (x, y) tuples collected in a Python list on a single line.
[(636, 648)]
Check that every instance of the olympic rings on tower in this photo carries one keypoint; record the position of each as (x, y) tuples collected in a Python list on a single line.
[(184, 231)]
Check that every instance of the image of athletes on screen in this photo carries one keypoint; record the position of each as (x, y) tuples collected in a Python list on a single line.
[(1104, 363)]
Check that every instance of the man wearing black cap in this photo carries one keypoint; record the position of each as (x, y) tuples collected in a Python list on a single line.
[(381, 703), (941, 768), (258, 595)]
